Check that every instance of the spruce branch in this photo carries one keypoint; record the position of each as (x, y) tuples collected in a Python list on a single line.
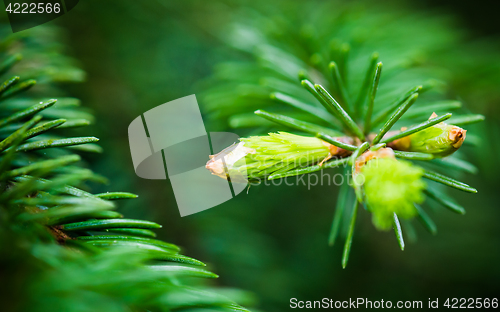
[(392, 188), (387, 114)]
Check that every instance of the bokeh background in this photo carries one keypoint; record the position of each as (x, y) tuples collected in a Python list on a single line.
[(273, 240)]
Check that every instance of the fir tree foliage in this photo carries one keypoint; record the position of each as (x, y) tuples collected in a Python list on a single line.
[(319, 73), (64, 248)]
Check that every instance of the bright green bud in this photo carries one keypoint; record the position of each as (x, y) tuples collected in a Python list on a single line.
[(391, 186), (441, 139), (259, 156)]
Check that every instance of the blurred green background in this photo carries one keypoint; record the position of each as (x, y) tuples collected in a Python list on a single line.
[(273, 240)]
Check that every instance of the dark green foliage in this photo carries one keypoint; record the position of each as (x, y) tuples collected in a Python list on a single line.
[(63, 248)]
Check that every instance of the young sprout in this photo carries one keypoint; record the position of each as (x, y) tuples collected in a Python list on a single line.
[(258, 157), (390, 186), (440, 140)]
